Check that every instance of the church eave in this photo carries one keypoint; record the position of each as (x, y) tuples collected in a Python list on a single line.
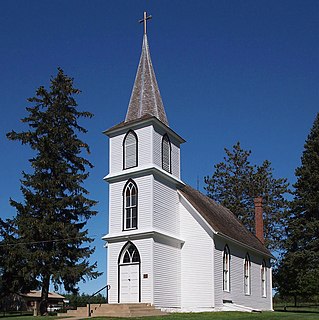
[(130, 173), (222, 221), (141, 234), (141, 122)]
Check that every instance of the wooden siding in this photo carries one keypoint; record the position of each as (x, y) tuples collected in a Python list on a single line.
[(167, 275), (144, 149), (165, 202), (113, 252), (144, 204), (158, 134), (145, 248), (197, 263), (236, 294)]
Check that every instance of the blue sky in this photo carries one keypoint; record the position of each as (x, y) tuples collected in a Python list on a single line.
[(228, 71)]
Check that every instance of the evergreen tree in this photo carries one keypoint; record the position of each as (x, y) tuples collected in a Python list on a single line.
[(14, 273), (51, 221), (236, 182), (298, 273)]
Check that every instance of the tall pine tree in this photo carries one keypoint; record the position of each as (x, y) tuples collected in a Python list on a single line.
[(236, 182), (298, 273), (51, 221)]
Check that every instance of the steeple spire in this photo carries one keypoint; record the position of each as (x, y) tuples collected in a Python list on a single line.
[(145, 98)]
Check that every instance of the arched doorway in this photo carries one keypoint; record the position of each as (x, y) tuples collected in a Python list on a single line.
[(129, 274)]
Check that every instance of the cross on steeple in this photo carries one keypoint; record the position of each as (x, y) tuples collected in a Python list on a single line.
[(145, 18)]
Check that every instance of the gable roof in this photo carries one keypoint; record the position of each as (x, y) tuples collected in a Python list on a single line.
[(145, 98), (222, 220)]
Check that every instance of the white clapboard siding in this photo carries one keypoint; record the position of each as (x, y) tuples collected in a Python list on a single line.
[(145, 248), (197, 263), (237, 294), (176, 161), (144, 149), (144, 204), (167, 275), (116, 153), (157, 151), (166, 217), (113, 251)]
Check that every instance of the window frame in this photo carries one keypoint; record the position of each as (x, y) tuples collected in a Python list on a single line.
[(125, 166), (226, 269), (263, 277), (164, 139), (130, 207), (247, 275)]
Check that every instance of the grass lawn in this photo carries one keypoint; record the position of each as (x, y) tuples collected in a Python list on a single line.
[(306, 314)]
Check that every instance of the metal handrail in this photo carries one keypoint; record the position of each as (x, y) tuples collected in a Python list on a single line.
[(107, 287)]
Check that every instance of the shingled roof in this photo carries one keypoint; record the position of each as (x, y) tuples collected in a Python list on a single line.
[(145, 98), (222, 220)]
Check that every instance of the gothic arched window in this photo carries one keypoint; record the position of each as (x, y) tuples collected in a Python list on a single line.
[(130, 150), (247, 275), (263, 279), (130, 206), (166, 153), (226, 269), (129, 254)]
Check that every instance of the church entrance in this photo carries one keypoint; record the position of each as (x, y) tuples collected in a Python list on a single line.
[(129, 274)]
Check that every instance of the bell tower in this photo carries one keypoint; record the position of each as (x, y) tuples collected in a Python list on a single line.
[(144, 175)]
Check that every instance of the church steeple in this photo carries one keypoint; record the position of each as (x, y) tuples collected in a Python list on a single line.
[(145, 98)]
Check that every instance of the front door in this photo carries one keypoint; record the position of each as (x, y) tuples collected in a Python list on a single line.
[(129, 274), (129, 283)]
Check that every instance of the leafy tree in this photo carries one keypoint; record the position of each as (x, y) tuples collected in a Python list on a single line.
[(51, 221), (236, 182), (76, 300), (298, 271)]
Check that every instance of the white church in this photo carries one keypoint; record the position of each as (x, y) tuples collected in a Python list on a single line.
[(169, 245)]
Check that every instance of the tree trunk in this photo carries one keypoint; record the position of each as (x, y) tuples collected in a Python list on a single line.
[(44, 295), (295, 299)]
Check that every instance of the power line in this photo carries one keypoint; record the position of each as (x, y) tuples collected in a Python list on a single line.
[(36, 242)]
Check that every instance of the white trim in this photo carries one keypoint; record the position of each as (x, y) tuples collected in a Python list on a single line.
[(140, 234), (142, 123), (153, 169)]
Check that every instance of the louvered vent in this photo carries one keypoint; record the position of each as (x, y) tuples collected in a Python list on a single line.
[(166, 153), (130, 150)]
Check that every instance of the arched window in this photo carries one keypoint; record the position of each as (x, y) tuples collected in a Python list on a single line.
[(166, 153), (226, 269), (263, 279), (129, 254), (130, 206), (247, 275), (130, 150)]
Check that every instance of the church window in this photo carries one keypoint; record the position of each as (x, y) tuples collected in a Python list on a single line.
[(129, 255), (130, 150), (226, 269), (247, 275), (263, 279), (166, 153), (130, 206)]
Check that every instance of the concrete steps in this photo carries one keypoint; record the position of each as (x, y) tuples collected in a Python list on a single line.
[(115, 310)]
